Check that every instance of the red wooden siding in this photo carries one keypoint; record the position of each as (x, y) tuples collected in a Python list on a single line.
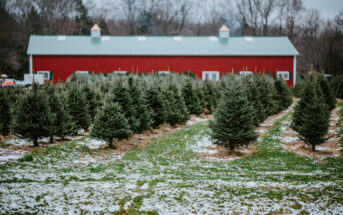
[(64, 66)]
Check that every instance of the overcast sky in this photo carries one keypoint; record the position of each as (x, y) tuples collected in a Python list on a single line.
[(327, 8)]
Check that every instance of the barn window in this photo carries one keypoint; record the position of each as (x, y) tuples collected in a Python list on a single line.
[(246, 73), (119, 72), (163, 72), (46, 74), (210, 75), (283, 75), (81, 72)]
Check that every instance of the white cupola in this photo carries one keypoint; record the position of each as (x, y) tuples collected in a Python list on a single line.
[(224, 32), (95, 31)]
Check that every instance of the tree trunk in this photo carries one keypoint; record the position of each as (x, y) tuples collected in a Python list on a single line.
[(35, 141), (111, 145), (51, 139), (313, 147)]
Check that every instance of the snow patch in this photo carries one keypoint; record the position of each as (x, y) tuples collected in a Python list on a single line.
[(11, 155), (93, 143), (203, 145)]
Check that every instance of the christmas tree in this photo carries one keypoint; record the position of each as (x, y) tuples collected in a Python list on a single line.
[(192, 101), (32, 117), (157, 105), (315, 120), (254, 98), (55, 109), (5, 113), (211, 95), (233, 124), (139, 102), (110, 124), (91, 99), (63, 118), (78, 109), (328, 93), (266, 87), (283, 95)]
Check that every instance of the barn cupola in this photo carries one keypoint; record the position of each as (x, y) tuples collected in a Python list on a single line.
[(95, 31), (224, 33)]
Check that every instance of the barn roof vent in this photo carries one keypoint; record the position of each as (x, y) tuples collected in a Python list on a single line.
[(95, 31), (224, 32)]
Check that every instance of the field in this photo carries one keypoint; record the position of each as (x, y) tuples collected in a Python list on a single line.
[(175, 174)]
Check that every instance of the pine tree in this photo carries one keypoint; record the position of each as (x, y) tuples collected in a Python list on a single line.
[(64, 119), (55, 110), (78, 109), (191, 98), (110, 124), (157, 105), (306, 98), (267, 91), (139, 102), (328, 93), (283, 95), (254, 98), (315, 120), (32, 116), (211, 95), (232, 125), (5, 113), (91, 99), (121, 95)]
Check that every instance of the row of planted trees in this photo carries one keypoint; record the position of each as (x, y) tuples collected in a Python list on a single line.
[(115, 107)]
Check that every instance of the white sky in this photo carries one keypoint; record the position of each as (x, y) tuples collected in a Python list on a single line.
[(327, 8)]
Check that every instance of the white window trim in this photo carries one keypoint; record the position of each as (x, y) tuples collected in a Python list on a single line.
[(282, 73), (204, 73), (163, 72), (44, 72), (81, 72), (119, 72), (245, 73)]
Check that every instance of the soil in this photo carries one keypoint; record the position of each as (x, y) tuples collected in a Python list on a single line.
[(331, 148)]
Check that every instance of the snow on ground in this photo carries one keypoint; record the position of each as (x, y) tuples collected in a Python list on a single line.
[(93, 143), (195, 120), (203, 145), (9, 155), (18, 142)]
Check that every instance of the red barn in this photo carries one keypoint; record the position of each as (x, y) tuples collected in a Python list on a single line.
[(208, 57)]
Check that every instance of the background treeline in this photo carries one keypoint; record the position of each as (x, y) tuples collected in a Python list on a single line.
[(318, 40), (115, 107)]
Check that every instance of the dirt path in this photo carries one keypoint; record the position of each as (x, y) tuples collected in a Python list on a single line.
[(216, 153), (331, 148)]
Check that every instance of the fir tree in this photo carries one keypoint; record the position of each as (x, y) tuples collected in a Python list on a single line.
[(315, 120), (267, 91), (55, 110), (139, 102), (191, 98), (78, 109), (157, 105), (254, 98), (110, 124), (121, 95), (32, 116), (211, 95), (5, 113), (91, 99), (306, 98), (283, 95), (232, 125), (328, 93)]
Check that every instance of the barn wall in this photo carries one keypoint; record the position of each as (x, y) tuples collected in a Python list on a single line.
[(64, 66)]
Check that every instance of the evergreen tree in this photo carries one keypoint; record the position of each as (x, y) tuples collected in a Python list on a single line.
[(91, 99), (328, 93), (233, 125), (315, 120), (110, 124), (121, 95), (306, 98), (254, 98), (211, 95), (139, 102), (267, 91), (32, 117), (191, 98), (78, 109), (103, 27), (64, 119), (283, 95), (157, 105), (5, 113), (55, 110), (82, 19)]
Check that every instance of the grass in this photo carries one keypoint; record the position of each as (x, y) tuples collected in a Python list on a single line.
[(168, 177)]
